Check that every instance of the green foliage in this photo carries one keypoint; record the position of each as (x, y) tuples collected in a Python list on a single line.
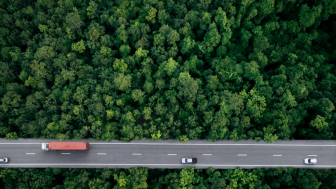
[(121, 35), (73, 20), (121, 179), (23, 75), (170, 66), (94, 31), (12, 135), (270, 138), (119, 65), (184, 76), (308, 16), (123, 82), (319, 123), (159, 39), (221, 18), (79, 46), (186, 45), (173, 37), (188, 88), (109, 114), (140, 53), (256, 104), (156, 136), (288, 99), (45, 52), (188, 177), (147, 113), (212, 37), (124, 50), (148, 87), (151, 15), (106, 51), (251, 70), (92, 9), (43, 28), (184, 138), (138, 95)]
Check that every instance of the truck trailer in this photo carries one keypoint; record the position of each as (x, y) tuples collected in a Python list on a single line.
[(68, 146)]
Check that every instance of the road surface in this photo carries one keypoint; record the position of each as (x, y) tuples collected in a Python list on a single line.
[(245, 154)]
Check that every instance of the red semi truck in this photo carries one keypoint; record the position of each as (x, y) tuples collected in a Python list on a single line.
[(56, 146)]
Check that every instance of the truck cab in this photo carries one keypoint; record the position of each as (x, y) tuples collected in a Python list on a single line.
[(189, 160), (45, 146)]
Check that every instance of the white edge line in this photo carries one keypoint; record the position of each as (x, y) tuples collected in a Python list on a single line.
[(30, 153), (196, 165), (207, 154), (277, 155), (312, 155), (171, 154), (20, 143), (65, 153)]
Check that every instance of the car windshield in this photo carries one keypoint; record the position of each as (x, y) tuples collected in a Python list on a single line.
[(309, 161)]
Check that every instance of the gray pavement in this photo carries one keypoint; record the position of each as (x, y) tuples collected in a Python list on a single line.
[(245, 154)]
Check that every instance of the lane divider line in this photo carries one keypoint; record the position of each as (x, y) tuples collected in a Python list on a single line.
[(242, 154), (312, 155), (207, 154), (66, 153), (101, 153), (171, 154), (134, 154), (30, 153), (277, 155)]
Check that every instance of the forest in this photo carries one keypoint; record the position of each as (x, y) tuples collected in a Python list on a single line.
[(187, 178), (184, 69), (168, 69)]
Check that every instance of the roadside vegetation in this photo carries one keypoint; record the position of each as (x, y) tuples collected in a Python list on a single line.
[(187, 178), (168, 69)]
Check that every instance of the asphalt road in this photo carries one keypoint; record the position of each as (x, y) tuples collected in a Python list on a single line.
[(168, 153)]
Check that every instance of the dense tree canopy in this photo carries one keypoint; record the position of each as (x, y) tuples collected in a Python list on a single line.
[(138, 178), (185, 69)]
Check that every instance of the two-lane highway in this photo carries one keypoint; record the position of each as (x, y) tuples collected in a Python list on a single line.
[(168, 154)]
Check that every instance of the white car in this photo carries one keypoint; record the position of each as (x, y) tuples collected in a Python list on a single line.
[(309, 161), (189, 160), (4, 160)]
